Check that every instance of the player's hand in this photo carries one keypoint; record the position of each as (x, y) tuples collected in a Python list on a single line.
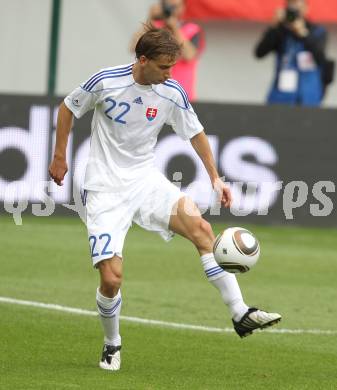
[(223, 191), (57, 170)]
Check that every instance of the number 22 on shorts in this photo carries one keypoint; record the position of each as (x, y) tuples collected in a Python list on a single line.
[(105, 240)]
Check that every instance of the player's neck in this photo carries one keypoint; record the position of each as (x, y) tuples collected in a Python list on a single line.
[(138, 75)]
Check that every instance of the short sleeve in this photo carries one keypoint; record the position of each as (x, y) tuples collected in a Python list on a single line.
[(81, 101), (86, 96), (185, 122)]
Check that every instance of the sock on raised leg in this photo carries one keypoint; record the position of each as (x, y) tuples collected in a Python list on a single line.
[(227, 285)]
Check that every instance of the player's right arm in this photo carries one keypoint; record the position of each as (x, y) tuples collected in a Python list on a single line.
[(77, 103), (58, 167)]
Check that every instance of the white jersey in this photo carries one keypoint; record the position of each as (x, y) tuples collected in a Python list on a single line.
[(126, 122)]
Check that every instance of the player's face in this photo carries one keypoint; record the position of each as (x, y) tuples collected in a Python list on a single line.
[(158, 70)]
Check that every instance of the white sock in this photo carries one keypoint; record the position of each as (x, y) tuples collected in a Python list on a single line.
[(227, 284), (109, 310)]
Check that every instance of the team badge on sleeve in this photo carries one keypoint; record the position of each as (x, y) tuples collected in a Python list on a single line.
[(76, 102), (151, 113)]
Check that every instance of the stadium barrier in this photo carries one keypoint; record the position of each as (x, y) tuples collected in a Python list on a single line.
[(280, 161)]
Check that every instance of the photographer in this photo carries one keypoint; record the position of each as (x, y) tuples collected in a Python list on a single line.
[(169, 14), (301, 66)]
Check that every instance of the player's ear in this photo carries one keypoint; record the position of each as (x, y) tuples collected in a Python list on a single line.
[(143, 60)]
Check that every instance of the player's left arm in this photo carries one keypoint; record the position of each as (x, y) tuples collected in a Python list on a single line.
[(201, 146)]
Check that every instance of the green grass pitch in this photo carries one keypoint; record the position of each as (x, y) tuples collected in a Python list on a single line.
[(47, 260)]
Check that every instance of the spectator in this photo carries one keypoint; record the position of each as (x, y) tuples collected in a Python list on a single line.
[(299, 46), (168, 14)]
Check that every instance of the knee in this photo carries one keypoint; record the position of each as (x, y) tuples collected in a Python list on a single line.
[(202, 235), (111, 282)]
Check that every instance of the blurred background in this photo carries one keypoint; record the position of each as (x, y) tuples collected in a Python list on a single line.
[(96, 34)]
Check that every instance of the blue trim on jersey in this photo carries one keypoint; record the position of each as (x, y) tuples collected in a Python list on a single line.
[(105, 72), (101, 76), (108, 76), (171, 100), (95, 76), (113, 76), (178, 88), (108, 89), (181, 87)]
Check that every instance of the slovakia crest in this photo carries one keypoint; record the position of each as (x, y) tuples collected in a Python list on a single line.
[(151, 113)]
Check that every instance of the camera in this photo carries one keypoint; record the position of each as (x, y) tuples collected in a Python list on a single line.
[(291, 15), (167, 9)]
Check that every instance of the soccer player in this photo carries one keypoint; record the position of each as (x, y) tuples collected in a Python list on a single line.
[(131, 103)]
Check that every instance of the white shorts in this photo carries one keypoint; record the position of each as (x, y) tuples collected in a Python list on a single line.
[(109, 215)]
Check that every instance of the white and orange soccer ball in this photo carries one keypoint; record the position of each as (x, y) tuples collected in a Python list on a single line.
[(236, 250)]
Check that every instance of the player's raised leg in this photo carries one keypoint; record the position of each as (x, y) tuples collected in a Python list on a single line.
[(109, 302), (187, 221)]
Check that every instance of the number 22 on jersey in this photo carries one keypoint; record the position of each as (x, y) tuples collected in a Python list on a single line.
[(122, 109)]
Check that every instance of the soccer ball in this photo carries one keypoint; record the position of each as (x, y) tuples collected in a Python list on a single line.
[(236, 250)]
